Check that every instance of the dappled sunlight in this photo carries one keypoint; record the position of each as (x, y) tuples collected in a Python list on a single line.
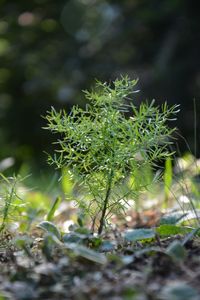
[(99, 156)]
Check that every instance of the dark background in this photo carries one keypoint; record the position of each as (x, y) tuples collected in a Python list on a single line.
[(51, 50)]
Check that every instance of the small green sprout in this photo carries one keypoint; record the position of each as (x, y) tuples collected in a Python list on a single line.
[(11, 204), (108, 141)]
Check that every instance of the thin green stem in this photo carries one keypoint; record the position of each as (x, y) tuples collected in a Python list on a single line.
[(8, 202), (106, 200)]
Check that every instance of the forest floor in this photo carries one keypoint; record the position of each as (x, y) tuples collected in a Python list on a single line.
[(153, 270)]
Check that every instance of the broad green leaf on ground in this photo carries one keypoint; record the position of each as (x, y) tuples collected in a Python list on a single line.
[(87, 253), (107, 246), (179, 291), (50, 228), (177, 251), (83, 230), (172, 218), (74, 237), (169, 229), (190, 235), (139, 234)]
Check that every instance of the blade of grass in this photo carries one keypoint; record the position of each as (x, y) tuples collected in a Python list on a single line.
[(53, 208)]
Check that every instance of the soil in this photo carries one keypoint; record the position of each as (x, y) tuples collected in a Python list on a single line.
[(130, 272)]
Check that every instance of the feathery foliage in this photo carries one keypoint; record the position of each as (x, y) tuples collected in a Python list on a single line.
[(107, 141)]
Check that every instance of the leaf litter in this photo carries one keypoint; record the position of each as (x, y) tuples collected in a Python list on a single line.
[(147, 265)]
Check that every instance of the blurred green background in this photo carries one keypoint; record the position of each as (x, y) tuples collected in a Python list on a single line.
[(51, 50)]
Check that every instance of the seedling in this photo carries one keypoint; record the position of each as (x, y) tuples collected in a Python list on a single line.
[(10, 203), (108, 141)]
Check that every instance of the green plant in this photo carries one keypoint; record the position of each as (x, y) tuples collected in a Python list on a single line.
[(11, 203), (108, 141)]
